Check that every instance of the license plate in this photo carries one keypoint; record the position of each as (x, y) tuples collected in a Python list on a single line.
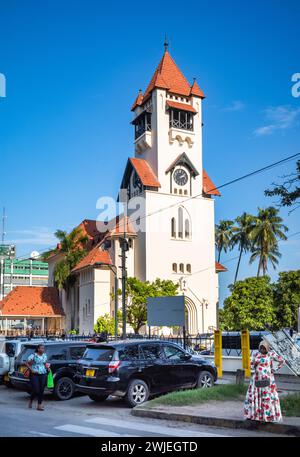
[(22, 369), (90, 372)]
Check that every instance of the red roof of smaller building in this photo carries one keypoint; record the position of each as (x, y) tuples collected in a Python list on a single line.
[(208, 186), (181, 106), (32, 301), (119, 227), (96, 255), (220, 268), (145, 172)]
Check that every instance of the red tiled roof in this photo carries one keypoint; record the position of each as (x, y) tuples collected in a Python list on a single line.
[(89, 229), (168, 76), (208, 186), (138, 100), (119, 227), (32, 301), (220, 268), (145, 172), (181, 106), (94, 256), (195, 90)]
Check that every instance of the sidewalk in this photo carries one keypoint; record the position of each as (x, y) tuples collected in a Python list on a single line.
[(217, 413)]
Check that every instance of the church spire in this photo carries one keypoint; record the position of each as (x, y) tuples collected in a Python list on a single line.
[(166, 43)]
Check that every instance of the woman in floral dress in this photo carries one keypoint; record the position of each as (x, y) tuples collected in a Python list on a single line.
[(262, 403)]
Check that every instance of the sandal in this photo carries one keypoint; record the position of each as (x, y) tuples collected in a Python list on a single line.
[(40, 408)]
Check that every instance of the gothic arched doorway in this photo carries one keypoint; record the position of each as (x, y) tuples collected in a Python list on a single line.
[(191, 317)]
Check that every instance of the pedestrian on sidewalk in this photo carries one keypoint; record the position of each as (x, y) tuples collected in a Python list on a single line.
[(39, 368), (262, 400)]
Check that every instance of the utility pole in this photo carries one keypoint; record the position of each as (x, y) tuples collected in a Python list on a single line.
[(124, 277)]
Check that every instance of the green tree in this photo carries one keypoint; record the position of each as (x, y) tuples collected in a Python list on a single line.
[(223, 234), (105, 323), (289, 190), (241, 236), (137, 293), (250, 305), (72, 246), (267, 231), (287, 298)]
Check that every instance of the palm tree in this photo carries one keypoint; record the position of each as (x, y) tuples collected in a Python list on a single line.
[(241, 236), (265, 235), (264, 257), (72, 245), (223, 233)]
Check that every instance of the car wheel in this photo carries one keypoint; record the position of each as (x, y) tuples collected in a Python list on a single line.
[(205, 380), (64, 389), (137, 393), (98, 398)]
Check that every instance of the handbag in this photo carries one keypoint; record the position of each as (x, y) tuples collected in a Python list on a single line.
[(50, 381), (260, 383)]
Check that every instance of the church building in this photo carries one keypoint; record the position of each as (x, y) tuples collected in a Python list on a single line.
[(174, 235)]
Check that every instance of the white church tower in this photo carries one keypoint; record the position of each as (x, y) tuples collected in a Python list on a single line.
[(175, 232)]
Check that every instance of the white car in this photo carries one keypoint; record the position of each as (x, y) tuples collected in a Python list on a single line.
[(9, 350)]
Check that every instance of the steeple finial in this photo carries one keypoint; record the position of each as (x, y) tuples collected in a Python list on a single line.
[(166, 43)]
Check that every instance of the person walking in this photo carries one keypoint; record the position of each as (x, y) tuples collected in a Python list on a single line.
[(38, 366), (262, 400)]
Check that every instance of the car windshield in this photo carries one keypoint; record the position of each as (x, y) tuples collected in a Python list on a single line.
[(101, 354)]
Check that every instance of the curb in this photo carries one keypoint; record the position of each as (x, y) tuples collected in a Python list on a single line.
[(280, 429)]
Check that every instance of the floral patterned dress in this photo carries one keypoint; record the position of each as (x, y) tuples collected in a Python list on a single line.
[(262, 403)]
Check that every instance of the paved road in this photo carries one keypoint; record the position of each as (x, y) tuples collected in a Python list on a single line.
[(82, 417)]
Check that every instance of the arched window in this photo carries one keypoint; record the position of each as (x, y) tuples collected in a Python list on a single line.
[(180, 222), (181, 268), (174, 267), (189, 268), (173, 227), (187, 228)]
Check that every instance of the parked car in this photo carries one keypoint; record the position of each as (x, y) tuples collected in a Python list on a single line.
[(63, 357), (138, 369), (232, 346), (9, 350)]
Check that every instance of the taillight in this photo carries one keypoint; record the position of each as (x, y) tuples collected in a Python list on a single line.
[(113, 366)]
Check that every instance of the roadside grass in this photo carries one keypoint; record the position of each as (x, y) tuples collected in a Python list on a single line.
[(197, 396), (290, 405)]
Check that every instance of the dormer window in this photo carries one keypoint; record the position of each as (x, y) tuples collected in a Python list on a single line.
[(142, 124), (181, 119)]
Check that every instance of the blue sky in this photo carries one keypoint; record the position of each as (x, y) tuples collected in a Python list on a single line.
[(73, 72)]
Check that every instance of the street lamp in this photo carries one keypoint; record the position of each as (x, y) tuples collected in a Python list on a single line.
[(114, 269)]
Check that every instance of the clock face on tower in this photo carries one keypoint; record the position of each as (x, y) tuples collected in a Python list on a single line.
[(180, 177)]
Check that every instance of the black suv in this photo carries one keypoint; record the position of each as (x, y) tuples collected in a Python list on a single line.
[(138, 369), (62, 356)]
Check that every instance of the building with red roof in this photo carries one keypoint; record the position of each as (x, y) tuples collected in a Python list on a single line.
[(169, 223)]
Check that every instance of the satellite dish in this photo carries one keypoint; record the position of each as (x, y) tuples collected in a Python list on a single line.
[(34, 255)]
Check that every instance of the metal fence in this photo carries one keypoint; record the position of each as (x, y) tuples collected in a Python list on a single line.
[(201, 344)]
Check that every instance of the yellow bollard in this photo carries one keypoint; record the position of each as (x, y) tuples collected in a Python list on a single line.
[(245, 339), (218, 351)]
